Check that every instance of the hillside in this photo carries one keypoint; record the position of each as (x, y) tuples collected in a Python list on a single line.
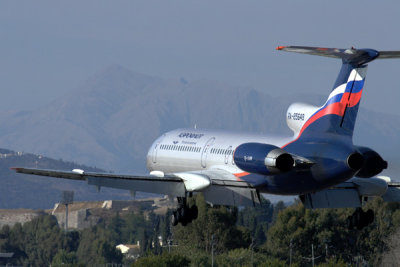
[(33, 192), (112, 119)]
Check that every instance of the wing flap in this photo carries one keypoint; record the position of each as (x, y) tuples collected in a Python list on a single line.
[(146, 184), (231, 196), (225, 189)]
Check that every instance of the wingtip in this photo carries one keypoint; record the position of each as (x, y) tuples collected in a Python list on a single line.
[(280, 47), (15, 169)]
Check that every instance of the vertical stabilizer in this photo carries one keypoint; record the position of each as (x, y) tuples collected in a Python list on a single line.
[(338, 115)]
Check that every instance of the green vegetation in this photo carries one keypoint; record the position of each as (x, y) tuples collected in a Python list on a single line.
[(22, 191), (269, 235)]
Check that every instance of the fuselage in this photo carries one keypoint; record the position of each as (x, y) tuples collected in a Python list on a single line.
[(185, 150)]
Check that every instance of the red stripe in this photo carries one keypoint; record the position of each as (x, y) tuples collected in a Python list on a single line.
[(241, 174), (338, 108)]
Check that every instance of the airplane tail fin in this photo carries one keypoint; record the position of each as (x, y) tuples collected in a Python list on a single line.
[(338, 115)]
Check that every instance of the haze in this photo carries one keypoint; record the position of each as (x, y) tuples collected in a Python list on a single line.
[(48, 48)]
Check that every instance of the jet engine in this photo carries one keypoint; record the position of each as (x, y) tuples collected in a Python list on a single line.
[(373, 163), (262, 159)]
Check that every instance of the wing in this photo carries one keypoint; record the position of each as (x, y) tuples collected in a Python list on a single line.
[(351, 194), (219, 187), (168, 185)]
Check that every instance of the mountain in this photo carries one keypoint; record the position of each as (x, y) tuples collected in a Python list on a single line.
[(112, 119)]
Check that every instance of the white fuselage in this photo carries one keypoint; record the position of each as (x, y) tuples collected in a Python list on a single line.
[(183, 150)]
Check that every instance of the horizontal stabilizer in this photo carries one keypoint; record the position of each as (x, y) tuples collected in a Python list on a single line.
[(388, 54), (351, 56)]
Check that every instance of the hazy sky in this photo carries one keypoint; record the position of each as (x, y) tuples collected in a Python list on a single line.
[(50, 47)]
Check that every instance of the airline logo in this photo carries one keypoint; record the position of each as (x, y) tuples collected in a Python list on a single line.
[(344, 96)]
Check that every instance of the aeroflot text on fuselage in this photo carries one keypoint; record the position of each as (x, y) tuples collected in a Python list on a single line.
[(190, 135)]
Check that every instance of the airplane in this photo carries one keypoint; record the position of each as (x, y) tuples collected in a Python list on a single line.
[(319, 163)]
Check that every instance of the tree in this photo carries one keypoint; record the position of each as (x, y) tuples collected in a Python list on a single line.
[(42, 240), (97, 247), (246, 257), (64, 258), (257, 220), (327, 229), (219, 222), (115, 227), (164, 260)]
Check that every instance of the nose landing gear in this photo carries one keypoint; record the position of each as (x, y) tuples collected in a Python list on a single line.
[(183, 214), (360, 219)]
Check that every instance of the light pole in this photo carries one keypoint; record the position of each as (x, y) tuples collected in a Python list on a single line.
[(67, 197), (312, 254), (252, 247), (313, 258), (212, 250)]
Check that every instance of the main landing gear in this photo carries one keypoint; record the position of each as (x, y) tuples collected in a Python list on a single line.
[(183, 214), (360, 219)]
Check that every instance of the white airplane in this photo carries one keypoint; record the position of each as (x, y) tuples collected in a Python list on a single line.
[(319, 163)]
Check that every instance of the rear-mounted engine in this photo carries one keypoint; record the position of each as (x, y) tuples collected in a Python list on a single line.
[(262, 159), (373, 163)]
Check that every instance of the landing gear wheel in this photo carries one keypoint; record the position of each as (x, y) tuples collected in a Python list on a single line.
[(370, 216), (350, 224), (174, 218), (184, 222), (183, 214), (360, 219), (194, 212)]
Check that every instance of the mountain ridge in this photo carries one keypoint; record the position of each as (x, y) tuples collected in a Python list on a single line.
[(111, 120)]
